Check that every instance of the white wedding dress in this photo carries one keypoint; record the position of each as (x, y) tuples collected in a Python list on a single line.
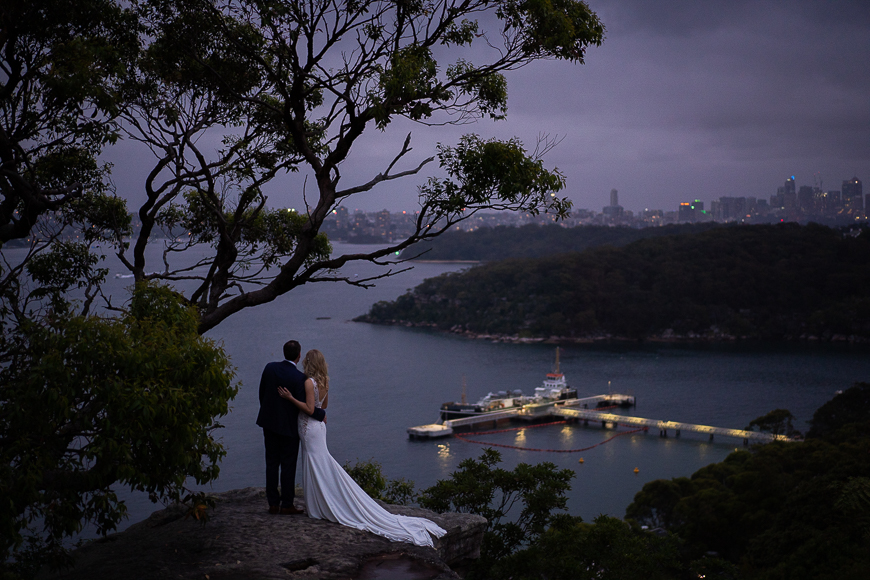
[(331, 494)]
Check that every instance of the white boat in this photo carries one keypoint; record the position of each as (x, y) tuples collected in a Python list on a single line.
[(554, 389)]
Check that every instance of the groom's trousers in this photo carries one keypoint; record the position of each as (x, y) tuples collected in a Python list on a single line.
[(282, 452)]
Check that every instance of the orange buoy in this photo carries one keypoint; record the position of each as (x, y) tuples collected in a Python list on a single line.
[(580, 460), (636, 470)]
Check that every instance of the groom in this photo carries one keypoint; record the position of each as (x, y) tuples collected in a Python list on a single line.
[(278, 418)]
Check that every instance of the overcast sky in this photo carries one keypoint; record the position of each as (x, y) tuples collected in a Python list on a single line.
[(686, 99)]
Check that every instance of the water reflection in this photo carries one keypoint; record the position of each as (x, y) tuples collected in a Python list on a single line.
[(444, 456)]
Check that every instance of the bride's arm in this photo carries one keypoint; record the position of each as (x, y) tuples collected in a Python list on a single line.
[(308, 405)]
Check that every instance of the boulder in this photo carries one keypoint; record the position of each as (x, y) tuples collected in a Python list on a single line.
[(241, 540)]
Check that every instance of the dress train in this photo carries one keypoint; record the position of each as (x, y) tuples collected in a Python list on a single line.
[(331, 494)]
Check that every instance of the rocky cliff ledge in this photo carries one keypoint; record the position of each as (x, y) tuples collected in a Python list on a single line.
[(242, 541)]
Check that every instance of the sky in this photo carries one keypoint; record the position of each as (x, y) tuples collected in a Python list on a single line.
[(684, 100)]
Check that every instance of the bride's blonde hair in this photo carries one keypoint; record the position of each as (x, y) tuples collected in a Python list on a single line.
[(314, 365)]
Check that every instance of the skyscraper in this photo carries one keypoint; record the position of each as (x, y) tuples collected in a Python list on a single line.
[(805, 199), (852, 194), (789, 201), (613, 211)]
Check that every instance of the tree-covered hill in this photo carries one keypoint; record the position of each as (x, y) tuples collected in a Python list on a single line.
[(798, 510), (768, 282), (531, 241)]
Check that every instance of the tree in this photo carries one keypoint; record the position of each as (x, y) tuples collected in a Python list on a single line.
[(850, 407), (370, 477), (86, 402), (536, 540), (480, 487), (654, 505), (796, 509), (61, 63), (607, 548), (283, 86), (296, 84), (777, 422)]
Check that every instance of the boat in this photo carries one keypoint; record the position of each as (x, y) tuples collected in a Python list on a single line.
[(553, 390), (498, 401), (492, 402)]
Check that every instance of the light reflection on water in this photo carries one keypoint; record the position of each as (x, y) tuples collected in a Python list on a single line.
[(444, 453)]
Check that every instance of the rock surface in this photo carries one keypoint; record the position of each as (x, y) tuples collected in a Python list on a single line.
[(242, 541)]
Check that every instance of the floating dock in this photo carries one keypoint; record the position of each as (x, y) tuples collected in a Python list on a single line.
[(531, 412), (579, 410)]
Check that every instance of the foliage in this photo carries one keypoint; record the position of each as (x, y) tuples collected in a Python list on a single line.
[(777, 422), (480, 487), (608, 548), (370, 477), (292, 86), (848, 410), (226, 96), (62, 63), (489, 244), (765, 282), (781, 510), (89, 401)]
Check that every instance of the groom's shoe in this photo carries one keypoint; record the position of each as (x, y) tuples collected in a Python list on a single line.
[(291, 511), (273, 509)]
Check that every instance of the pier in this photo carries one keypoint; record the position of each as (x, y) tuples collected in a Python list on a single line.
[(677, 428), (532, 412), (585, 409)]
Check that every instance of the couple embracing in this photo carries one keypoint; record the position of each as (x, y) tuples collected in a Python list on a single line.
[(292, 403)]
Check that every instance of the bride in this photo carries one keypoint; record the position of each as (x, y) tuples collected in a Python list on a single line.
[(329, 492)]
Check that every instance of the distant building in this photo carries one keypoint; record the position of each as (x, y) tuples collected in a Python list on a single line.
[(691, 212), (614, 211), (789, 196), (777, 201), (805, 199), (833, 201), (653, 217), (852, 194), (729, 209)]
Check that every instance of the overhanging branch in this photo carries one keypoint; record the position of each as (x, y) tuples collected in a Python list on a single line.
[(386, 176)]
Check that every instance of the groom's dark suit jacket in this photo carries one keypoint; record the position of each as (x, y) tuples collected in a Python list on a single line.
[(276, 414)]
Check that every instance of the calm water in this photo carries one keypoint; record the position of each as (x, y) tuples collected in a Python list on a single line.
[(386, 379)]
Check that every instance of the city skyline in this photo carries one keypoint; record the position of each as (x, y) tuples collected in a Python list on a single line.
[(614, 197), (683, 100)]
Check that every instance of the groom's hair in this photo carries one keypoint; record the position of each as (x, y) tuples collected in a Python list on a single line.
[(292, 349)]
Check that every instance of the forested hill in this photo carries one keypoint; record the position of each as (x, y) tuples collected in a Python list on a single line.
[(770, 282), (531, 241)]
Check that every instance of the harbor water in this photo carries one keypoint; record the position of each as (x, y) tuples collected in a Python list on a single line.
[(385, 379)]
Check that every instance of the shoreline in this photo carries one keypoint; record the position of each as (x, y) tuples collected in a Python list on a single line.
[(667, 337)]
